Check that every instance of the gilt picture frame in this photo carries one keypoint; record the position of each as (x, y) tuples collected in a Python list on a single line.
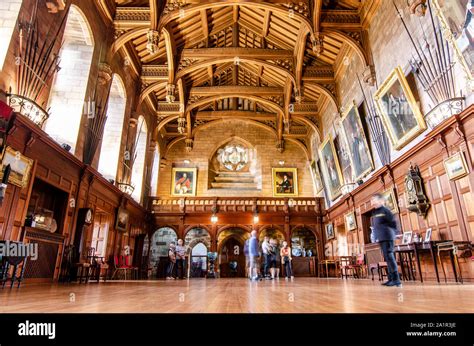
[(357, 144), (452, 16), (20, 166), (456, 166), (350, 221), (316, 175), (285, 182), (329, 228), (390, 200), (399, 110), (330, 168), (183, 181)]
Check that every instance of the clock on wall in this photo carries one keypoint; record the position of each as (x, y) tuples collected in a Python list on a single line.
[(416, 199), (85, 216)]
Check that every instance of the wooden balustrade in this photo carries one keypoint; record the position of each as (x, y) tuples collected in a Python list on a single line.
[(186, 205)]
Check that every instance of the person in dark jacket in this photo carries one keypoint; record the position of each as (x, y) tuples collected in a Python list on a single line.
[(385, 229), (253, 256)]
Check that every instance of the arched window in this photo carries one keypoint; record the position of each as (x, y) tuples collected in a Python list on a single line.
[(69, 87), (155, 171), (110, 147), (8, 17), (139, 163)]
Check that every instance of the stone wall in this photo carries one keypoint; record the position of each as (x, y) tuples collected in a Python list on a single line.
[(212, 137)]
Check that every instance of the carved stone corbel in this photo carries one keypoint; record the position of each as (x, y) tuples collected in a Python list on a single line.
[(280, 145), (418, 8), (105, 74), (189, 144), (368, 75)]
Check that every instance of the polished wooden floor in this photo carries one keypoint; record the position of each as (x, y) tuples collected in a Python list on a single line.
[(239, 295)]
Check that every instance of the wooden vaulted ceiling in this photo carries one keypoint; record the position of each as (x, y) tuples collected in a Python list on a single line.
[(270, 62)]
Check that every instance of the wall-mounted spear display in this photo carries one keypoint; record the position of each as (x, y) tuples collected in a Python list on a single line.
[(433, 65), (130, 156), (37, 61), (97, 113), (376, 128)]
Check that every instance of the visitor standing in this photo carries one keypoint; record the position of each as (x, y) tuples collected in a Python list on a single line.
[(286, 259), (253, 256), (180, 258), (385, 229), (266, 251), (171, 261)]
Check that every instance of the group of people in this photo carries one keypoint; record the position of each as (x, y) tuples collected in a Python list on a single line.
[(176, 260), (272, 255)]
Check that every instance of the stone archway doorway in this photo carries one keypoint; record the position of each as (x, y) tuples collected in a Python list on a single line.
[(231, 252)]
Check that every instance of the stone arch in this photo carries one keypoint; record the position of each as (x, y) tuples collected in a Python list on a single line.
[(165, 234), (240, 236), (197, 235), (188, 228)]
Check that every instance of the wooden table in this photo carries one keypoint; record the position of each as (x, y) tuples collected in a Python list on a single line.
[(431, 247), (325, 263)]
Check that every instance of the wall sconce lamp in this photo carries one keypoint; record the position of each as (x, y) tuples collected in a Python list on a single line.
[(214, 218), (255, 217)]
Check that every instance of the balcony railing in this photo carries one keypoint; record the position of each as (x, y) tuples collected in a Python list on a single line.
[(176, 205), (28, 108)]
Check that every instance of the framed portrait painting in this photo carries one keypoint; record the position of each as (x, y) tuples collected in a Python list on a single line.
[(390, 200), (330, 167), (285, 182), (359, 151), (407, 237), (399, 110), (121, 222), (350, 221), (318, 184), (456, 166), (457, 21), (183, 181), (20, 167), (329, 231)]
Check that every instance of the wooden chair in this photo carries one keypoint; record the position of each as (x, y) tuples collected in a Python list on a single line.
[(128, 261), (119, 267), (84, 266), (123, 264), (450, 248), (360, 266), (99, 269), (348, 267)]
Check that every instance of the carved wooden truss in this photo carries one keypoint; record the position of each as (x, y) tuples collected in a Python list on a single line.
[(270, 62)]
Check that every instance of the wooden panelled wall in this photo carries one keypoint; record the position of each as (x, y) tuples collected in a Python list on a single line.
[(64, 171), (238, 212), (451, 216)]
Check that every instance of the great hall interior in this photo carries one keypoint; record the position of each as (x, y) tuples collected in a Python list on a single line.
[(126, 125)]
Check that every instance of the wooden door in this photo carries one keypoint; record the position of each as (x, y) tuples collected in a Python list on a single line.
[(232, 250)]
